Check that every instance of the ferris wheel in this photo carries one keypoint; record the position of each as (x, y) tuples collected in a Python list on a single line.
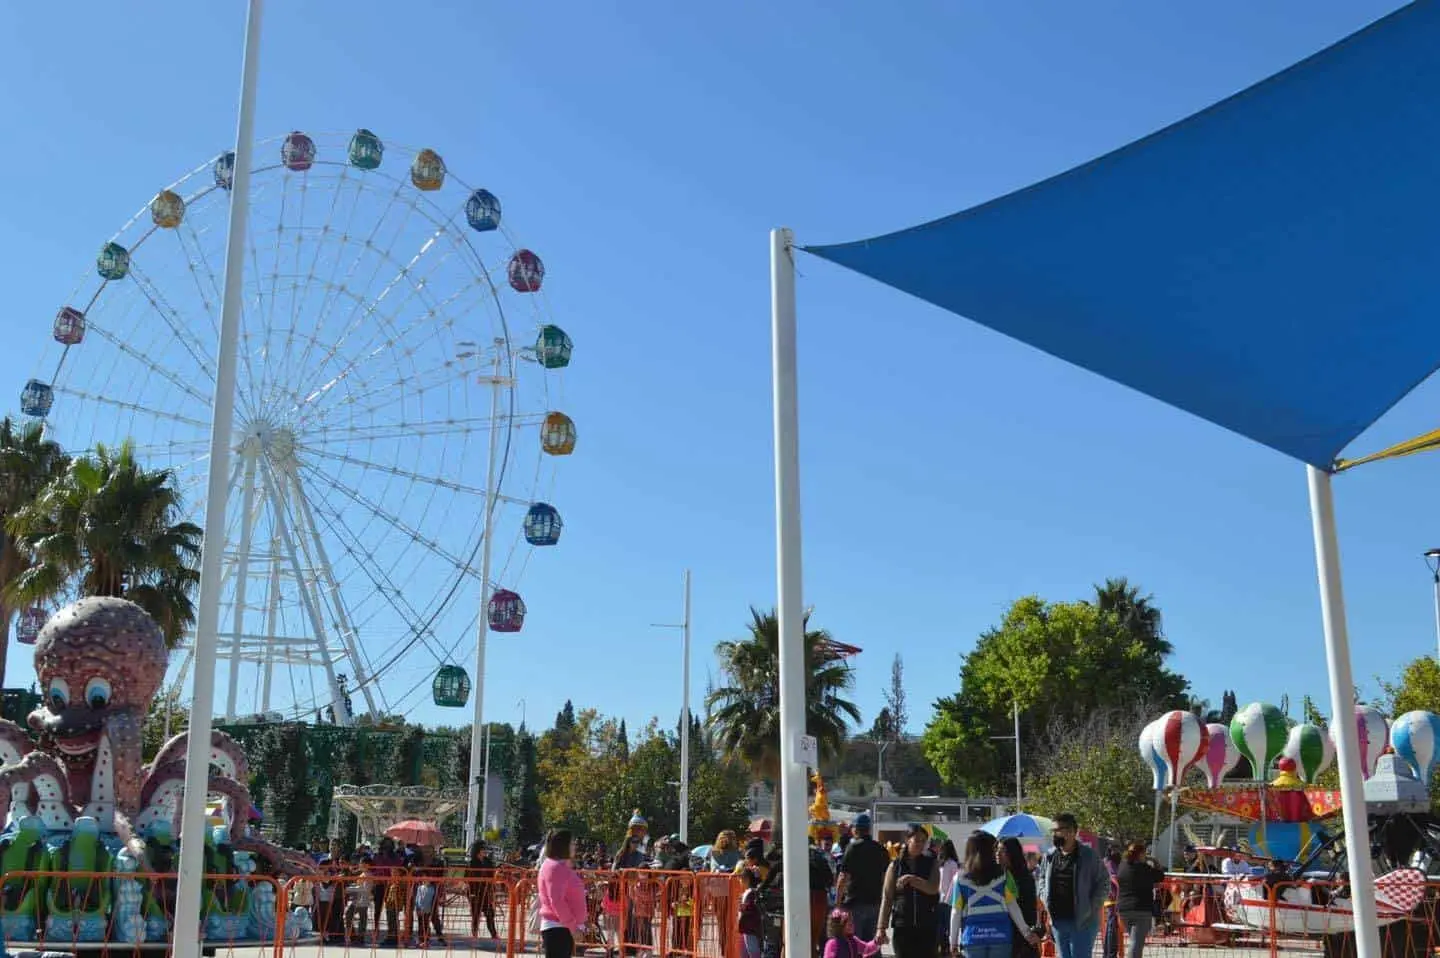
[(398, 378)]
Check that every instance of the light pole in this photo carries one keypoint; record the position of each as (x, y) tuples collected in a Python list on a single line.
[(1019, 793), (1432, 559), (521, 706), (684, 628)]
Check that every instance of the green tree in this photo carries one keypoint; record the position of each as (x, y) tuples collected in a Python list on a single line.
[(527, 818), (107, 526), (1058, 661), (1104, 784), (28, 463), (745, 714), (1417, 688)]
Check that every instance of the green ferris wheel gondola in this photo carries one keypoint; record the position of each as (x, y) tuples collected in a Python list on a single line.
[(451, 687)]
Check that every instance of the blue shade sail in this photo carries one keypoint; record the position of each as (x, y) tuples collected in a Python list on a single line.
[(1270, 264)]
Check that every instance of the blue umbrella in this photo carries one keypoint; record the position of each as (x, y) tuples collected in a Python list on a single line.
[(1019, 826)]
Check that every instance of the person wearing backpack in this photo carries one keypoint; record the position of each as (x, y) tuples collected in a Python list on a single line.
[(984, 904)]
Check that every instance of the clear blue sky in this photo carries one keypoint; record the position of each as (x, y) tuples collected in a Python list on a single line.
[(646, 155)]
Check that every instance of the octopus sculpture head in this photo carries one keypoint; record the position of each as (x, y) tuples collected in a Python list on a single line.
[(100, 662)]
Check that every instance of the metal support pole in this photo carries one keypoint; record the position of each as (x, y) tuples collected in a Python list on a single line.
[(485, 820), (479, 794), (1342, 706), (1019, 792), (790, 608), (207, 613), (685, 723)]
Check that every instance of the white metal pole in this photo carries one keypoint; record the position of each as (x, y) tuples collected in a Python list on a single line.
[(1437, 614), (207, 612), (479, 794), (685, 723), (242, 573), (1019, 792), (1342, 703), (790, 608), (485, 819)]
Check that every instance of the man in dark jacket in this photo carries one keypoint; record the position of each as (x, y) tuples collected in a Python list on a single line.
[(862, 879), (1073, 885)]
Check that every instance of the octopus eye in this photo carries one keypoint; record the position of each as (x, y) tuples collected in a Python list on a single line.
[(59, 695), (97, 693)]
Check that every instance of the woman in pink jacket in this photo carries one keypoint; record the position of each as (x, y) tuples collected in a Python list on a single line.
[(562, 897)]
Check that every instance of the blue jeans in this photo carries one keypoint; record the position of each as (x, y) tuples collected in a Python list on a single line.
[(1072, 940), (866, 916), (992, 950)]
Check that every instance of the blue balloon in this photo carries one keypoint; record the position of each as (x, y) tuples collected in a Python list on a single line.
[(1415, 736)]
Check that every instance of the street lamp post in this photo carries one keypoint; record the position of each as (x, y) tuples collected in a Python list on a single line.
[(684, 628), (1432, 559)]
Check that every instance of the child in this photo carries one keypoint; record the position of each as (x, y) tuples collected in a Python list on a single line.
[(841, 941), (751, 925), (358, 911)]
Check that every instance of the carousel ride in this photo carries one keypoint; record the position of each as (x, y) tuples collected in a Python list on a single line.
[(1293, 882)]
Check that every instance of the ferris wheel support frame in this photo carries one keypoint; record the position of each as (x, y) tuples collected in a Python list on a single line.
[(272, 614), (307, 597), (479, 790), (242, 573), (348, 632)]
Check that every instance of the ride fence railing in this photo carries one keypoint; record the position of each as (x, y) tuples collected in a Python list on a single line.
[(1251, 917), (646, 913)]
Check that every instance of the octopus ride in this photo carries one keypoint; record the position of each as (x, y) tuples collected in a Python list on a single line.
[(89, 849)]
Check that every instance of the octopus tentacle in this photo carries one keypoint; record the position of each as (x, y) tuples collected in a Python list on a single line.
[(225, 754), (15, 743), (46, 790), (123, 729)]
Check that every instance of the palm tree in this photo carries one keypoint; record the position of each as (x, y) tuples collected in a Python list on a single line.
[(28, 462), (1138, 614), (108, 526), (745, 713)]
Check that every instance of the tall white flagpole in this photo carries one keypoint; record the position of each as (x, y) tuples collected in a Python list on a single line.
[(1342, 705), (790, 611), (207, 612)]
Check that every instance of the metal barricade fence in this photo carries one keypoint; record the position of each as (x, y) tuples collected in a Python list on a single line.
[(130, 912)]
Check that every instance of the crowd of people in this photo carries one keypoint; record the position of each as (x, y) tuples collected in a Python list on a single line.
[(926, 898)]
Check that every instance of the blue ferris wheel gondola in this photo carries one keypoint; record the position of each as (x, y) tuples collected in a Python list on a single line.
[(482, 211), (542, 524), (36, 399)]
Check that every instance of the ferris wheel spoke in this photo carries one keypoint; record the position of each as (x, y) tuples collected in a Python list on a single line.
[(382, 256), (364, 501), (164, 373), (273, 275), (292, 371), (408, 429), (130, 406), (211, 294), (397, 471), (374, 309), (379, 577), (413, 385), (174, 321)]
